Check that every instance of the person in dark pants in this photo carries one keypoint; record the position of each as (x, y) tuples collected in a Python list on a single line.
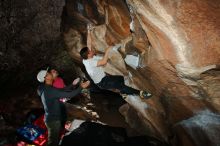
[(58, 82), (50, 97), (116, 82), (94, 64)]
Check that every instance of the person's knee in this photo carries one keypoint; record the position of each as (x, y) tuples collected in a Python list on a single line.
[(119, 77)]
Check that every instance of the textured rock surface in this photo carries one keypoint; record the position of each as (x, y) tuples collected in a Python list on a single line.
[(178, 43), (30, 39)]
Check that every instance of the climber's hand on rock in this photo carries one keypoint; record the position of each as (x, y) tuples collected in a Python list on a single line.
[(116, 47), (90, 27)]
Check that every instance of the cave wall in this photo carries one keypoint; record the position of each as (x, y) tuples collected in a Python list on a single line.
[(30, 41), (178, 44)]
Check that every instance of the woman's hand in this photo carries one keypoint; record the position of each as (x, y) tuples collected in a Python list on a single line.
[(85, 84)]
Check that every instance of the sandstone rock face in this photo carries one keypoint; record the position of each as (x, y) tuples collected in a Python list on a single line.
[(178, 45)]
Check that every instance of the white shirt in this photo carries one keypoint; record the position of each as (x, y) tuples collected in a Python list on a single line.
[(95, 72)]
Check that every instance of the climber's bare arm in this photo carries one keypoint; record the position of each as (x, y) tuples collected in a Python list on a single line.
[(104, 60), (89, 40)]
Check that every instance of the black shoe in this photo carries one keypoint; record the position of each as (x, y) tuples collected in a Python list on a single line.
[(123, 96), (145, 94)]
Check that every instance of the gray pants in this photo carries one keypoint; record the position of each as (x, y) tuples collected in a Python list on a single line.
[(54, 128)]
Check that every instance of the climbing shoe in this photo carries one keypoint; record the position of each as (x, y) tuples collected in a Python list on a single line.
[(145, 94), (123, 96)]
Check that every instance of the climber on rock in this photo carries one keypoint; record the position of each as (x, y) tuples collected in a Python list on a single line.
[(94, 67)]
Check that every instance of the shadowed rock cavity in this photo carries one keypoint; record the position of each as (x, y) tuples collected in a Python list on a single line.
[(30, 41)]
